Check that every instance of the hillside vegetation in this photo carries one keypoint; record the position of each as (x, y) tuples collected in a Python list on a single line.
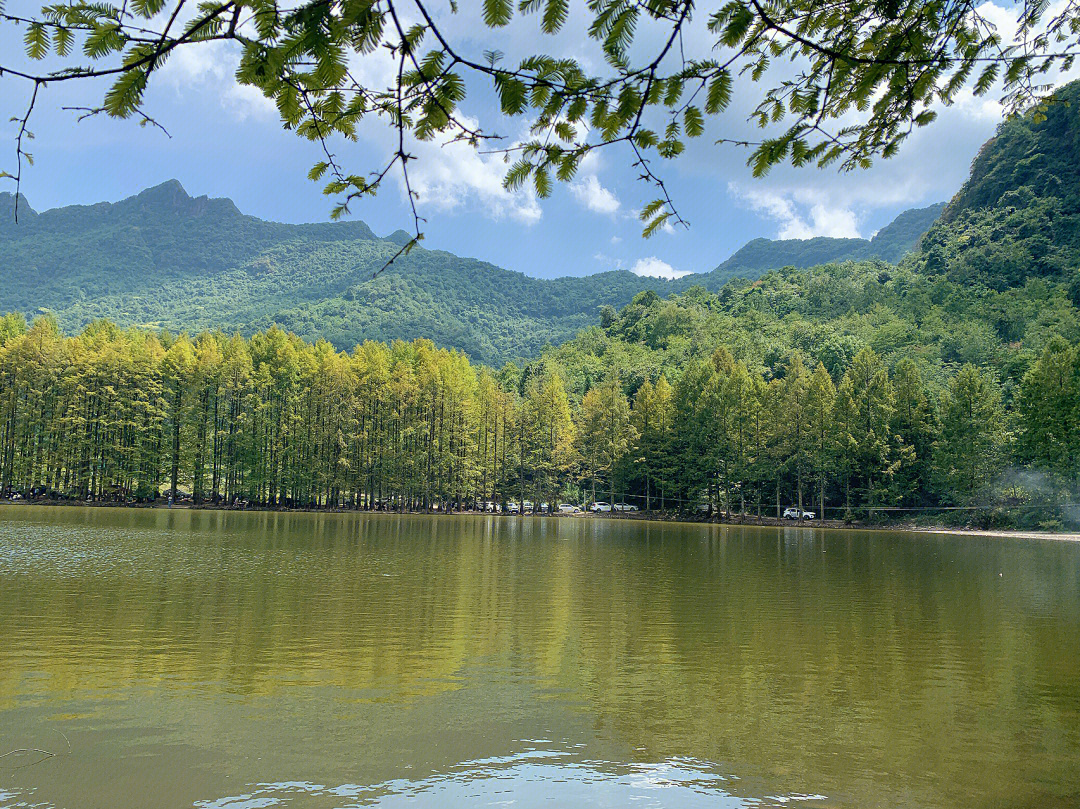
[(163, 259), (891, 244), (1018, 216)]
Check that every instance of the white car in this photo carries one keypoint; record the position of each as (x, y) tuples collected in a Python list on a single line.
[(598, 508), (793, 513), (624, 507), (513, 508), (568, 508)]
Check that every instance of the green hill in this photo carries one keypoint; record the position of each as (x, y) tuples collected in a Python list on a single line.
[(994, 281), (1018, 216), (890, 244), (165, 259)]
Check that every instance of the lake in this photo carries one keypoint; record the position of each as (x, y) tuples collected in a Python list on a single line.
[(241, 660)]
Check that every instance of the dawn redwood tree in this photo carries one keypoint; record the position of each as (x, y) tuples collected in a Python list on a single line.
[(118, 415), (973, 436), (606, 432), (838, 84), (865, 401), (913, 428), (1049, 405), (177, 368), (820, 402), (797, 419)]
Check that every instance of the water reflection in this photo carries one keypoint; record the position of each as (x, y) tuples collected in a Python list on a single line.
[(196, 655)]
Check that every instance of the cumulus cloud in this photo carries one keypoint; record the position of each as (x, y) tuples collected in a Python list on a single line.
[(652, 267), (608, 261), (590, 193), (211, 68), (449, 176), (798, 216)]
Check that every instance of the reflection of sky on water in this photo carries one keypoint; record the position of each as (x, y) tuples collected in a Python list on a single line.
[(535, 778)]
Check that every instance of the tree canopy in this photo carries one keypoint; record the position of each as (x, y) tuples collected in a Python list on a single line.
[(838, 83)]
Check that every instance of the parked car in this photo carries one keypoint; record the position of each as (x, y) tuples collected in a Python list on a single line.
[(527, 507), (513, 508), (598, 508), (624, 507), (793, 513), (568, 508)]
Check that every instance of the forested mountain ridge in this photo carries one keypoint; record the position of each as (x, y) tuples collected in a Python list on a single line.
[(1018, 216), (891, 243), (995, 280), (164, 259)]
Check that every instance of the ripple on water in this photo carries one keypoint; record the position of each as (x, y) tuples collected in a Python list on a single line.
[(533, 778)]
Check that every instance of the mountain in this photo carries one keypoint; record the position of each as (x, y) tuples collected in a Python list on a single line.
[(891, 244), (1018, 215), (164, 259)]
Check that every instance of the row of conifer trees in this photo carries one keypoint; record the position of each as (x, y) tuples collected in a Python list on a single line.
[(129, 415)]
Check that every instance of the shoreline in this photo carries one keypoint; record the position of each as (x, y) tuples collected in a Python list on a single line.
[(749, 522)]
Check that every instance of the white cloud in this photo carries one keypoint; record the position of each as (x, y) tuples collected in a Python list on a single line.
[(590, 193), (652, 267), (211, 67), (799, 216), (609, 261), (448, 176)]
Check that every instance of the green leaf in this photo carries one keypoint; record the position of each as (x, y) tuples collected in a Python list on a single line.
[(147, 8), (125, 95), (650, 210), (497, 13), (925, 117), (62, 39), (655, 224), (555, 13), (693, 122), (517, 175), (719, 95), (36, 40), (542, 182)]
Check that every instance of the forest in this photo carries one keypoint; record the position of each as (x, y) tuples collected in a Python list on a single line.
[(947, 385), (127, 415)]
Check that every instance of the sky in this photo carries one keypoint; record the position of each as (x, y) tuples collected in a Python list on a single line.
[(225, 140)]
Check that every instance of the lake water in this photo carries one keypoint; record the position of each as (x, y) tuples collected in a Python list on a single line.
[(244, 660)]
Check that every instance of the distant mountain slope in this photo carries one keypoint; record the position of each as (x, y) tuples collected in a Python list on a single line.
[(1018, 215), (902, 235), (62, 257), (891, 244), (165, 259)]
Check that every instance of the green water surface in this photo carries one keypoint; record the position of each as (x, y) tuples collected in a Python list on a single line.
[(246, 660)]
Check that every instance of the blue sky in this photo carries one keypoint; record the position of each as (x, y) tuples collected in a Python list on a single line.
[(226, 142)]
